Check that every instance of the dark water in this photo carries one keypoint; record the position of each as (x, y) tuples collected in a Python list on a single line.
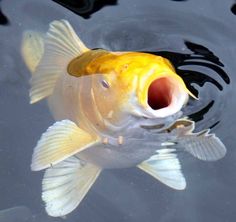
[(198, 36), (3, 18), (85, 8)]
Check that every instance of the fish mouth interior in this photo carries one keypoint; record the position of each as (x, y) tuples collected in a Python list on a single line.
[(160, 93)]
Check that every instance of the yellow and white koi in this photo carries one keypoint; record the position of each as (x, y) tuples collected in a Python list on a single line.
[(112, 110)]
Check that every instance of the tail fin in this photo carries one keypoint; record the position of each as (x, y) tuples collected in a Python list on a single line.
[(61, 45)]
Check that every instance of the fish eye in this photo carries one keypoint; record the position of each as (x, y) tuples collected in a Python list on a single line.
[(105, 84)]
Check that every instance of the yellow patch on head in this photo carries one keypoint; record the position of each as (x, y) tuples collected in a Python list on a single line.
[(125, 73)]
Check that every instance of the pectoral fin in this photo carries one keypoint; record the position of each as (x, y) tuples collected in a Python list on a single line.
[(65, 185), (62, 140), (202, 145), (165, 167)]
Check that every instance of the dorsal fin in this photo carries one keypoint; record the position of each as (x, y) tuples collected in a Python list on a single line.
[(61, 46), (32, 49)]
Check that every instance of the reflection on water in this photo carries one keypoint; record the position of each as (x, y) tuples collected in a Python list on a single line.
[(198, 42), (85, 8)]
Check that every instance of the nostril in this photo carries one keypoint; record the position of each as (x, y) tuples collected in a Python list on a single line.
[(159, 93)]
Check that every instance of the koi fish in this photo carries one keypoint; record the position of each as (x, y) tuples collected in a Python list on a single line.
[(112, 110)]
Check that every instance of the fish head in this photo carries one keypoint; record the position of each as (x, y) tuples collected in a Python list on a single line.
[(132, 83)]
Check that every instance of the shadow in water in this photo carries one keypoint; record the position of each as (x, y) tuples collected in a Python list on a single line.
[(85, 8)]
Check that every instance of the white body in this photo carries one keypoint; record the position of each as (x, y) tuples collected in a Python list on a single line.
[(138, 144)]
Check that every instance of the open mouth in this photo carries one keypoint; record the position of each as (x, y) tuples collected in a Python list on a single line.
[(160, 93)]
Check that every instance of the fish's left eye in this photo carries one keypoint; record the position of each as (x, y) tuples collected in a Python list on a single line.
[(105, 84)]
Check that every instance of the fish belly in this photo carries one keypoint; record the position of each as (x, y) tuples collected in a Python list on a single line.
[(121, 156)]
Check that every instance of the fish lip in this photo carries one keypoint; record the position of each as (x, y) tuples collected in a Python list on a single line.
[(173, 101)]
